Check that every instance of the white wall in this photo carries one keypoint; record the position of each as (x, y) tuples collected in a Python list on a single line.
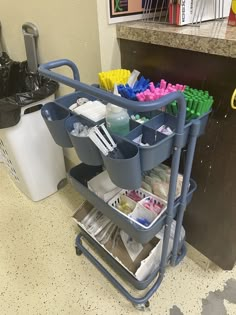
[(109, 45), (67, 29), (75, 29)]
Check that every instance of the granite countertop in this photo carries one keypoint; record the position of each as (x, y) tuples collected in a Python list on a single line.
[(215, 37)]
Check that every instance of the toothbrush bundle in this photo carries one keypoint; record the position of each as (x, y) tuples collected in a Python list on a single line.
[(130, 92), (144, 90), (108, 79), (198, 103), (154, 93)]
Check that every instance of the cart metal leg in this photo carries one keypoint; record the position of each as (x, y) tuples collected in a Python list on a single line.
[(194, 132), (181, 255), (177, 147), (114, 281), (171, 199), (80, 249)]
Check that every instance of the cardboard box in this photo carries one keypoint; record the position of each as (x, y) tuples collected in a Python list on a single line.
[(120, 253)]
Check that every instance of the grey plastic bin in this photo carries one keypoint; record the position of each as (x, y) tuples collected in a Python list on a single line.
[(55, 117), (158, 150), (124, 173), (81, 174), (120, 270), (84, 147), (160, 145)]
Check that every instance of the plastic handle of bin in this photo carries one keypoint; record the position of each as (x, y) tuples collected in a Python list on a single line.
[(233, 98), (23, 109), (45, 69)]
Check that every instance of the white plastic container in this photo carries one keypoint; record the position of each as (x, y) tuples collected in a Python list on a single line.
[(139, 210), (35, 163), (117, 120)]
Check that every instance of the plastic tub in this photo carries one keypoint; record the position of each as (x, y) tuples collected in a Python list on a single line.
[(34, 161), (139, 210), (81, 174), (120, 270), (124, 173), (84, 147), (55, 117), (160, 144), (159, 149)]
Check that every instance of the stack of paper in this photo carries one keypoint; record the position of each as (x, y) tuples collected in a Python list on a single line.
[(103, 187), (94, 110)]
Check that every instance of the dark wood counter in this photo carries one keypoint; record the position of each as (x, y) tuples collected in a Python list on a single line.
[(210, 219)]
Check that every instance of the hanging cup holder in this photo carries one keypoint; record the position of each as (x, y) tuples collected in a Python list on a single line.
[(84, 147), (125, 172), (55, 117)]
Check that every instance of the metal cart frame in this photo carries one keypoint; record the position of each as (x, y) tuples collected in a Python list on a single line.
[(194, 132)]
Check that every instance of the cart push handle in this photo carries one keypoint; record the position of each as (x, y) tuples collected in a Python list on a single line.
[(45, 69)]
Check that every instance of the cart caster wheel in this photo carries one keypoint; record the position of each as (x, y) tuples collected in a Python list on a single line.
[(143, 307), (78, 251)]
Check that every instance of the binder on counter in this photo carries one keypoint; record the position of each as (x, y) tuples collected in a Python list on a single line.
[(183, 12)]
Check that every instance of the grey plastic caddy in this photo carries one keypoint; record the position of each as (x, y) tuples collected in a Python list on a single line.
[(128, 172)]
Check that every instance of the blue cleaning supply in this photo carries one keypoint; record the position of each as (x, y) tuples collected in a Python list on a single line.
[(143, 221), (128, 92)]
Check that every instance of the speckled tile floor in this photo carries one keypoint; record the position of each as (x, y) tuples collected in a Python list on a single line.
[(40, 273)]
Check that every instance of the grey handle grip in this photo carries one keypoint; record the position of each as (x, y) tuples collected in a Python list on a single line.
[(30, 33)]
